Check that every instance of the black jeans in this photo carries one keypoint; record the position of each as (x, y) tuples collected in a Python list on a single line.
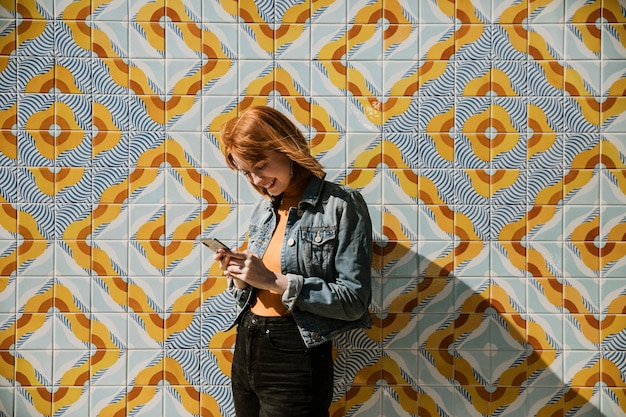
[(275, 375)]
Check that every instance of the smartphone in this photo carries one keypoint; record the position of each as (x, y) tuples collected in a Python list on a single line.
[(214, 244)]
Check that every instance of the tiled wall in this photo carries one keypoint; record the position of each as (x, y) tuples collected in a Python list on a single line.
[(488, 137)]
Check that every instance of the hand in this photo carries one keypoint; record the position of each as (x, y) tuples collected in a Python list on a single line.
[(249, 268), (223, 257)]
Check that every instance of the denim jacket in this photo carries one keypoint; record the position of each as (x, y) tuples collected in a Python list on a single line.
[(326, 256)]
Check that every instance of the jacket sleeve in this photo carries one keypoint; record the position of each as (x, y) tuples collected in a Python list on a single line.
[(241, 296), (347, 297)]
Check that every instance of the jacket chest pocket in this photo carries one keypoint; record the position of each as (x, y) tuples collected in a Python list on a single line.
[(318, 246)]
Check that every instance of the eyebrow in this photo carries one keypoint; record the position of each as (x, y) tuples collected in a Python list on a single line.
[(254, 165)]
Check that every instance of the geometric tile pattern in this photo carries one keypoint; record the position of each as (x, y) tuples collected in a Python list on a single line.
[(488, 138)]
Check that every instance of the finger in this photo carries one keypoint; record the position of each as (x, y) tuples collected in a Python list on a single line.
[(235, 262), (222, 253), (236, 254), (234, 271)]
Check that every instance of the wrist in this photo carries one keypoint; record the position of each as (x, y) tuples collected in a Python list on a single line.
[(281, 283), (239, 284)]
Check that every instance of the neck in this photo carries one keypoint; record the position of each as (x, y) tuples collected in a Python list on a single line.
[(294, 191), (296, 187)]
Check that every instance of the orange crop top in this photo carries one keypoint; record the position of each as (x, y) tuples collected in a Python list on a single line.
[(269, 303)]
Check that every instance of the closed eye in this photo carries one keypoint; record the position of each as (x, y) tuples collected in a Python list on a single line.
[(257, 169)]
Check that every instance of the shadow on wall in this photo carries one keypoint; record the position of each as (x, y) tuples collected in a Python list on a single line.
[(446, 346)]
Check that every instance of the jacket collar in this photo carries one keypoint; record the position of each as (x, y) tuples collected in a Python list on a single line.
[(313, 191), (312, 194)]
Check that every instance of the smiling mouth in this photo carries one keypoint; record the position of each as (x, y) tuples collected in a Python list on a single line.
[(271, 184)]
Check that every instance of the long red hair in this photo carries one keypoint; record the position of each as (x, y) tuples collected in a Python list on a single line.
[(259, 130)]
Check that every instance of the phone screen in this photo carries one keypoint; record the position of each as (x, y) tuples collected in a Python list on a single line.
[(214, 244)]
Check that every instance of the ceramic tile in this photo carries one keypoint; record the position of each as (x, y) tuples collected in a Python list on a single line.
[(107, 297), (154, 397), (551, 378), (399, 260), (504, 13), (537, 399), (613, 179), (24, 406), (582, 41), (372, 407), (442, 395), (608, 404), (437, 150), (436, 36), (293, 78), (8, 295), (400, 187), (548, 255), (509, 117), (585, 80), (365, 150), (437, 329), (546, 79), (293, 43), (579, 220), (8, 178), (364, 114), (587, 107), (579, 331), (611, 38), (173, 406), (28, 32), (544, 223), (400, 367), (400, 292), (509, 44), (395, 45), (5, 24), (183, 112), (110, 38), (517, 407), (398, 403), (334, 157), (372, 192), (466, 408), (471, 150), (357, 13), (7, 395), (547, 12), (615, 123), (611, 260), (470, 258), (251, 48), (544, 295), (611, 223)]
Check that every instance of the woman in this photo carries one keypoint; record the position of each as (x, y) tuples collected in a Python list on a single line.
[(305, 275)]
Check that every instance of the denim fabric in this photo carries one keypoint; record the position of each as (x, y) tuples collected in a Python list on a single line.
[(327, 257), (275, 375)]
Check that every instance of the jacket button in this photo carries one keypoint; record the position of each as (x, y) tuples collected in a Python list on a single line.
[(315, 336), (291, 241)]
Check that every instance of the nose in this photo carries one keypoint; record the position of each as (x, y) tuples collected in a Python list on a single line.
[(256, 180)]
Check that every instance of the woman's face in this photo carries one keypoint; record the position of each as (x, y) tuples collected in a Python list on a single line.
[(273, 172)]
